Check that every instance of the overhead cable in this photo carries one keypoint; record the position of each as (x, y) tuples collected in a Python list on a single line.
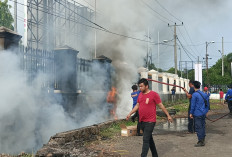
[(101, 28), (167, 10)]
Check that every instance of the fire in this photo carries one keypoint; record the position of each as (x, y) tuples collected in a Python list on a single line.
[(111, 99)]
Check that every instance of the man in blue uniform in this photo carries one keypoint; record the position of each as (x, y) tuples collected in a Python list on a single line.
[(198, 111), (228, 98), (134, 96), (191, 126)]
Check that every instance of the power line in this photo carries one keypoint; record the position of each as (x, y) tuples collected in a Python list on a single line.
[(186, 40), (167, 11), (185, 50), (104, 30), (190, 38), (82, 16), (157, 13)]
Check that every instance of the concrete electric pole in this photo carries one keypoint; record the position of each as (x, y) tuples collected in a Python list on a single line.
[(175, 51), (95, 31), (15, 15), (222, 56), (206, 59)]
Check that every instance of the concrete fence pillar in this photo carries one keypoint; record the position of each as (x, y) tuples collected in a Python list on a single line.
[(165, 87), (171, 81), (178, 90), (154, 75), (65, 66), (8, 38), (143, 72), (186, 81), (182, 85)]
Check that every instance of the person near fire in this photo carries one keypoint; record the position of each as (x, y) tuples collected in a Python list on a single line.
[(111, 99), (146, 105), (191, 125), (134, 96), (199, 109)]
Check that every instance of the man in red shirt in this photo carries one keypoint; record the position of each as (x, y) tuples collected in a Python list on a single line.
[(146, 105), (221, 93)]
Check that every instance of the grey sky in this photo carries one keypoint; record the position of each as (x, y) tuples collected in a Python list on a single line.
[(207, 20)]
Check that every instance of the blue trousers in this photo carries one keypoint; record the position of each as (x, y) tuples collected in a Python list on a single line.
[(191, 124), (148, 141), (230, 106), (200, 126)]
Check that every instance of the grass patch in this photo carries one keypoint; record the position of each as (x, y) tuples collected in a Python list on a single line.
[(214, 101), (181, 107), (216, 107), (115, 129)]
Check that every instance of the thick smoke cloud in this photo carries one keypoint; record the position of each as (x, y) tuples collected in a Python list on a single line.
[(125, 17), (30, 114), (28, 118)]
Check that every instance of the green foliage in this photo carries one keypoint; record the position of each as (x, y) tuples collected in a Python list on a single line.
[(152, 66), (6, 18), (172, 71), (215, 72)]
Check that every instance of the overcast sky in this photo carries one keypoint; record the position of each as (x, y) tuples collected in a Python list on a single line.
[(204, 20)]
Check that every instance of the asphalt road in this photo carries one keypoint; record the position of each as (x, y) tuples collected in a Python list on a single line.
[(173, 140)]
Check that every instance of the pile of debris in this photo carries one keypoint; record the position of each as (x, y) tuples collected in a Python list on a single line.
[(71, 143)]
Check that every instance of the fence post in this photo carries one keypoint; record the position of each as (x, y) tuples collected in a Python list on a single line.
[(8, 39), (65, 75)]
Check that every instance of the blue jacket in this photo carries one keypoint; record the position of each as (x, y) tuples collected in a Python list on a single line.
[(207, 94), (229, 93), (135, 96), (198, 107)]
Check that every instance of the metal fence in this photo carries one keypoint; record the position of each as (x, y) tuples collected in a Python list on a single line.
[(36, 62), (216, 88)]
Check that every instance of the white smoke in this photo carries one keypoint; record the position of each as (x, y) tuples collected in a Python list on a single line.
[(28, 118), (130, 19)]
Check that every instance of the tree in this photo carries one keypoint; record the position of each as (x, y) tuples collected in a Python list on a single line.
[(215, 72), (6, 18), (172, 71), (151, 66)]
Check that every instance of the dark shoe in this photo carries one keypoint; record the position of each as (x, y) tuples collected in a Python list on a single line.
[(133, 119), (200, 143), (139, 134)]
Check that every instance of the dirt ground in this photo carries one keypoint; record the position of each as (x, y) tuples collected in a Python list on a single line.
[(174, 141)]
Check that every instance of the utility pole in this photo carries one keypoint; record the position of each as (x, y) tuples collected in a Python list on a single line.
[(186, 69), (180, 65), (158, 53), (175, 53), (15, 15), (206, 59), (95, 36), (148, 39), (222, 56)]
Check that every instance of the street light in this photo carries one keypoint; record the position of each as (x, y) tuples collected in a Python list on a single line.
[(222, 62), (206, 57)]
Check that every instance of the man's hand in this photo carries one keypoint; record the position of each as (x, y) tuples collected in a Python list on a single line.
[(185, 90), (128, 116), (170, 119), (191, 116)]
